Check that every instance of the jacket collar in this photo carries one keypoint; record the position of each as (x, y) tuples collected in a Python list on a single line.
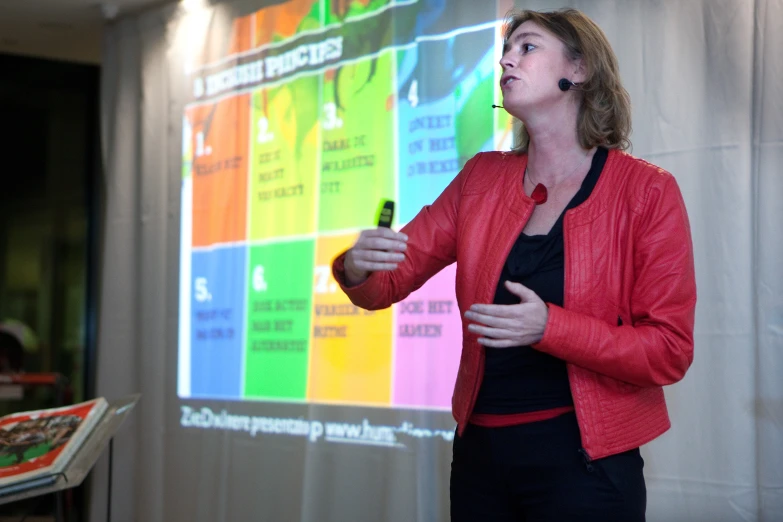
[(519, 203)]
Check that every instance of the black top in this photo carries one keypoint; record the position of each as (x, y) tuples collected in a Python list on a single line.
[(521, 379)]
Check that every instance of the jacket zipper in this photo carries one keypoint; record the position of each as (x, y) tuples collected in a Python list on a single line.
[(566, 302), (480, 369), (566, 264)]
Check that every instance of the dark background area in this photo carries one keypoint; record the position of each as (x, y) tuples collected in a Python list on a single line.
[(49, 143)]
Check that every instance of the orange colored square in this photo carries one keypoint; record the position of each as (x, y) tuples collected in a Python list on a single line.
[(220, 170)]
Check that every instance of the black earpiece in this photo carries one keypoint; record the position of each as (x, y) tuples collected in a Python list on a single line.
[(565, 84)]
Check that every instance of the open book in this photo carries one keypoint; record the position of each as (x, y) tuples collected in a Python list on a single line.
[(36, 446)]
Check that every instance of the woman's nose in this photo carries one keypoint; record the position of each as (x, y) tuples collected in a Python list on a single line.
[(506, 62)]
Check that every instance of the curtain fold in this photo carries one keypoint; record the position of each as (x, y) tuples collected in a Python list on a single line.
[(767, 234), (133, 315)]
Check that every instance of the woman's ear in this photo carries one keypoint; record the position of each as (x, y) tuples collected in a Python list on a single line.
[(579, 71)]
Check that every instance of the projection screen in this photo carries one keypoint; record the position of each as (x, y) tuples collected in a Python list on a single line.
[(299, 122)]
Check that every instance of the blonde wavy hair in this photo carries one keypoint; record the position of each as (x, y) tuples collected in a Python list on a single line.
[(605, 113)]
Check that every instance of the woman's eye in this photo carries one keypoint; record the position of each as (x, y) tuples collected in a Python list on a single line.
[(526, 48)]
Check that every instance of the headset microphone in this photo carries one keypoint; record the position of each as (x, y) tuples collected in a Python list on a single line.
[(565, 84)]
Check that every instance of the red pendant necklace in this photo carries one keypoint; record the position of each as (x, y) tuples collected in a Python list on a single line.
[(539, 194)]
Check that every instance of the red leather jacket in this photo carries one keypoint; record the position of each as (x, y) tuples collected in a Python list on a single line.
[(626, 328)]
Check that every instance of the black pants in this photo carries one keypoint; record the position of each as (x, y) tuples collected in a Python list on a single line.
[(536, 472)]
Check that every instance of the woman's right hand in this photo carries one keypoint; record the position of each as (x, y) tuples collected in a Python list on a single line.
[(377, 249)]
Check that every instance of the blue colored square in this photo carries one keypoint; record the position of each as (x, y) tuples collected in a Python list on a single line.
[(217, 336)]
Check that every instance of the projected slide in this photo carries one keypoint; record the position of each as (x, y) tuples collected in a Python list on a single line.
[(310, 114)]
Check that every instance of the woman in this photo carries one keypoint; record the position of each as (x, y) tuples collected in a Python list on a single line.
[(576, 282)]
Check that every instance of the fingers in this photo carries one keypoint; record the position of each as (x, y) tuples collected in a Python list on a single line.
[(382, 239), (372, 260), (502, 311), (377, 267), (497, 337), (386, 232), (501, 337), (489, 320), (494, 333), (499, 343), (501, 326), (378, 249), (521, 291)]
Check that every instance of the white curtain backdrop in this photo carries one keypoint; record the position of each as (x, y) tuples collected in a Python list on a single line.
[(706, 83)]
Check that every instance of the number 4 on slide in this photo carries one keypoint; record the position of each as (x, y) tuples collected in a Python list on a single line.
[(413, 94)]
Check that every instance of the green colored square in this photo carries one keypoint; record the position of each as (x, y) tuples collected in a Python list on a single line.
[(357, 158), (280, 302)]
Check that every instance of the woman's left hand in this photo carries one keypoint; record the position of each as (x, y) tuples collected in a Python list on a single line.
[(503, 326)]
